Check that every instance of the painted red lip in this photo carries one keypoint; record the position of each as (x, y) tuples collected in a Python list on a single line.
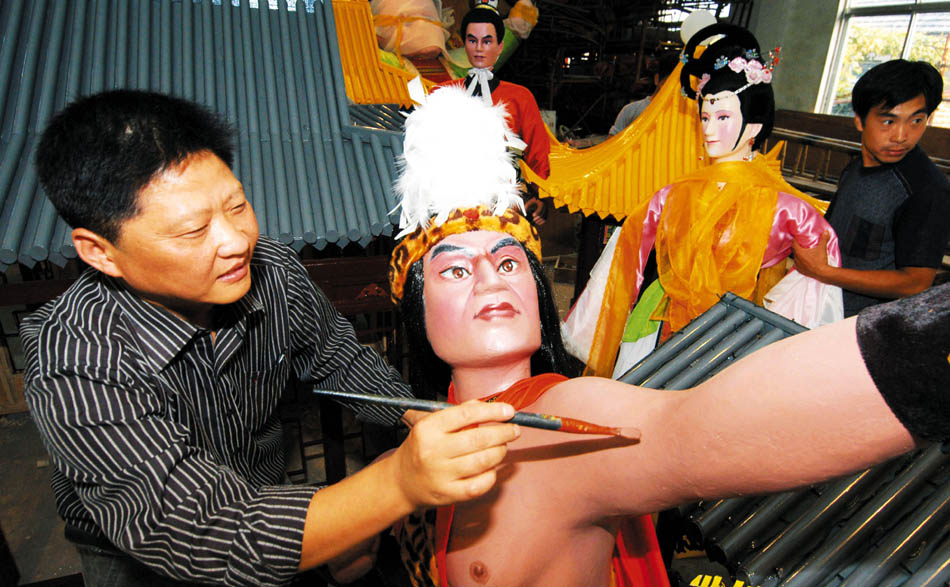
[(502, 310)]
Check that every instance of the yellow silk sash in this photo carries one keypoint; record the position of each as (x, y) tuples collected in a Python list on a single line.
[(711, 238)]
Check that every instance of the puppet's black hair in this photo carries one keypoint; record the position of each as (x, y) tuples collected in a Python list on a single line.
[(757, 102), (484, 13)]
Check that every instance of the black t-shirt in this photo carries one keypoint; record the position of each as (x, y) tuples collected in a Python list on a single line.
[(890, 216), (906, 349)]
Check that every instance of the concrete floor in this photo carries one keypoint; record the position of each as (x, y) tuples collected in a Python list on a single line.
[(27, 511)]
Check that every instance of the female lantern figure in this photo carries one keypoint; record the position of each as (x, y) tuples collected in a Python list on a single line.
[(726, 227)]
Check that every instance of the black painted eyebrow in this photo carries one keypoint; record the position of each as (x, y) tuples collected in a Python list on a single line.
[(505, 242), (443, 248), (448, 248)]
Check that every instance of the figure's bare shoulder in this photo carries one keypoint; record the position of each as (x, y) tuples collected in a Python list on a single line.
[(600, 400), (568, 488)]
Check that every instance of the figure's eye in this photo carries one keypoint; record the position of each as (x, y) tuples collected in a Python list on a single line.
[(508, 266), (704, 118), (455, 272), (723, 117), (239, 207), (887, 122)]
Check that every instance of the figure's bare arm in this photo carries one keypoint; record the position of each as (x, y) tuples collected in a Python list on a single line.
[(799, 411)]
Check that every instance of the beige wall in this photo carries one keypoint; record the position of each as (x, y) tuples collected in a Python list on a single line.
[(803, 28)]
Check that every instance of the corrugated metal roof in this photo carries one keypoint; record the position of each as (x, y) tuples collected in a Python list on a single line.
[(274, 71), (889, 525), (381, 116)]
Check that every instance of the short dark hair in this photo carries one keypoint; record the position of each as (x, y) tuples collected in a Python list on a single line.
[(487, 14), (97, 154), (756, 101), (895, 82), (430, 375)]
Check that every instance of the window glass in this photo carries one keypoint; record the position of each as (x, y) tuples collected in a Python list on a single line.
[(875, 31), (930, 41), (869, 40)]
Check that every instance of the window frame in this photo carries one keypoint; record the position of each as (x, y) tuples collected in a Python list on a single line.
[(839, 38)]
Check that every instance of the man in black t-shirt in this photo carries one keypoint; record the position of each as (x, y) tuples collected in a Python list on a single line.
[(892, 208)]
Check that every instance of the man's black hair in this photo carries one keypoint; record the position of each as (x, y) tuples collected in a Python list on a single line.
[(895, 82), (483, 14), (430, 375), (97, 154), (757, 101)]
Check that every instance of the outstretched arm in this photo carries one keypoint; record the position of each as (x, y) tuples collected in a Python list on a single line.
[(799, 411)]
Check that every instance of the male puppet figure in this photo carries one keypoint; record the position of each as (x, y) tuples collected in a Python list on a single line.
[(475, 301), (892, 209), (154, 379), (483, 31)]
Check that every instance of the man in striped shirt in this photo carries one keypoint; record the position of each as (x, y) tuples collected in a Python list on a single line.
[(154, 379)]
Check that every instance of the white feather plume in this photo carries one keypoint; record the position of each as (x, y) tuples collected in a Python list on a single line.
[(454, 156)]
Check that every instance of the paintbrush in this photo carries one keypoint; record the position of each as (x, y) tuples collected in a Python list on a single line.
[(530, 419)]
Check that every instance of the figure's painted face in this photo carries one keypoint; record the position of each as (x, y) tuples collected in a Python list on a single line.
[(888, 135), (482, 44), (189, 248), (721, 117), (481, 301)]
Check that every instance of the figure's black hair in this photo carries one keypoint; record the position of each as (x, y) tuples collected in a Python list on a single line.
[(895, 82), (430, 375), (757, 102), (97, 154), (483, 13)]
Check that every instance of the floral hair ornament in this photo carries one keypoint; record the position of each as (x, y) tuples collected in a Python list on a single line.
[(755, 71), (456, 175), (719, 46), (702, 82)]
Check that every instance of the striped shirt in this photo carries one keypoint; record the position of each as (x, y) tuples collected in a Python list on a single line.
[(168, 442)]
